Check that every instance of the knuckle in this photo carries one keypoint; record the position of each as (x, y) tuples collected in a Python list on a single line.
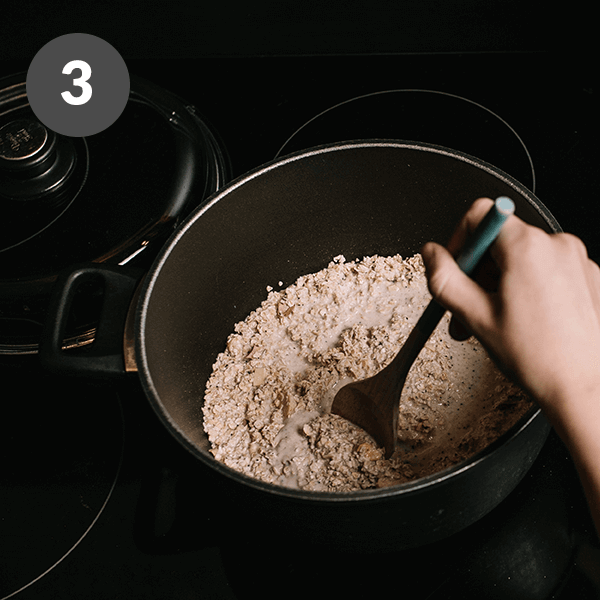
[(573, 244), (477, 212), (531, 241)]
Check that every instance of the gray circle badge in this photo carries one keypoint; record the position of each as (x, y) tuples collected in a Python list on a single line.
[(77, 85)]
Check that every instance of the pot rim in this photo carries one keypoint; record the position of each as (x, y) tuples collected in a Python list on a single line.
[(410, 487)]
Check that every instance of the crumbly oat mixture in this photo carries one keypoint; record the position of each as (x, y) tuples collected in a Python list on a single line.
[(267, 402)]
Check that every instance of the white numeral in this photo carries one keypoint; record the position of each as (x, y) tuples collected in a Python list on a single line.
[(82, 82)]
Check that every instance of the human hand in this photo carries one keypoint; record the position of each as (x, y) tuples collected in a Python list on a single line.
[(537, 311), (541, 319)]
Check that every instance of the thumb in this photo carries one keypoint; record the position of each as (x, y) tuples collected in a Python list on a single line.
[(455, 290)]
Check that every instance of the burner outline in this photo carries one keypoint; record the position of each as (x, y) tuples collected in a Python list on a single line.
[(363, 96), (91, 525)]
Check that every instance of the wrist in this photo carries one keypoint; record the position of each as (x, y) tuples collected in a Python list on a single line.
[(576, 417), (572, 398)]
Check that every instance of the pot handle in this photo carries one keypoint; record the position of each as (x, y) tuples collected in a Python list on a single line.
[(104, 357)]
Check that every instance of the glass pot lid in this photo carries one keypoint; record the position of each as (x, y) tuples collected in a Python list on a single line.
[(111, 197)]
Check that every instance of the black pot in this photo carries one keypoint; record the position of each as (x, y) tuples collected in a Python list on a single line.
[(283, 220)]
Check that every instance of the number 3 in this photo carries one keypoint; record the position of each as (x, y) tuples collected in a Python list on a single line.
[(86, 88)]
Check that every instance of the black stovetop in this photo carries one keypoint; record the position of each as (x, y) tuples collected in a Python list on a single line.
[(97, 500)]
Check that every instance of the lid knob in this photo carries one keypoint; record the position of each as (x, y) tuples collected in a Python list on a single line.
[(27, 148), (34, 161)]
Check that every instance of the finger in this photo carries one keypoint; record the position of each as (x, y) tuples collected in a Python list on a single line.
[(593, 274), (590, 269), (513, 230), (458, 331), (468, 224), (455, 290), (515, 233), (486, 273)]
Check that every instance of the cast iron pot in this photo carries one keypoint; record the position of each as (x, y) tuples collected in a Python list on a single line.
[(285, 219)]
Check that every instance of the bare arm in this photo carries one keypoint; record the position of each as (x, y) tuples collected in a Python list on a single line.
[(541, 322)]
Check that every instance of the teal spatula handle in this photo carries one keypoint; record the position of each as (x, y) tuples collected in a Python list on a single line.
[(485, 234)]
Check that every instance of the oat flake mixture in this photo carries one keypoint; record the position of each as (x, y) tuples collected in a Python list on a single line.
[(267, 403)]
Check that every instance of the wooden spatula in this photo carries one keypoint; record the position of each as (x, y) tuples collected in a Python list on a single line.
[(373, 403)]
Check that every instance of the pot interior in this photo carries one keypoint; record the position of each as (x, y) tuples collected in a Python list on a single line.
[(285, 220)]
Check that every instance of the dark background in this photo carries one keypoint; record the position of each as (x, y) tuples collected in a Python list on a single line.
[(172, 29)]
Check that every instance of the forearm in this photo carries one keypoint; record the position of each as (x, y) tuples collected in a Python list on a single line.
[(578, 425)]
